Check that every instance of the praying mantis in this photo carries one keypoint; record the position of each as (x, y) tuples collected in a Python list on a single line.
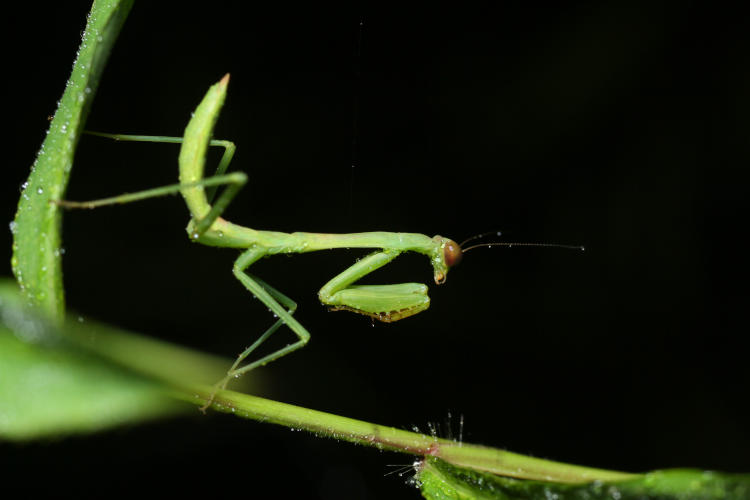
[(386, 303)]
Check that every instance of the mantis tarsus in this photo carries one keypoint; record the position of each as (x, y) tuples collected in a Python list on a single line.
[(382, 302)]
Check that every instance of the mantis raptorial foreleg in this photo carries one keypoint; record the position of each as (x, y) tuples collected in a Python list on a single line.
[(382, 302)]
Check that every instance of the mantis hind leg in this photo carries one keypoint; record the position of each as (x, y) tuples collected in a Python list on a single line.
[(233, 181), (211, 183), (226, 157), (273, 299), (386, 303)]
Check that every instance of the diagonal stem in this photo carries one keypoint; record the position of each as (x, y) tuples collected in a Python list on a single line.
[(477, 457)]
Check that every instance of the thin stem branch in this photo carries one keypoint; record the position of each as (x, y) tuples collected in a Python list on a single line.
[(323, 424)]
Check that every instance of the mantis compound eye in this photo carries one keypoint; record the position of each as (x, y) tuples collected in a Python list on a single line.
[(452, 253)]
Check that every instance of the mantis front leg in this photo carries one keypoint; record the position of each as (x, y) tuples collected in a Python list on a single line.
[(382, 302)]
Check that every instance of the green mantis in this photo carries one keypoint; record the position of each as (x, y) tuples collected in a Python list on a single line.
[(382, 302)]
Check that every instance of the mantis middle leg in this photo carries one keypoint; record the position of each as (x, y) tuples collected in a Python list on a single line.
[(273, 299)]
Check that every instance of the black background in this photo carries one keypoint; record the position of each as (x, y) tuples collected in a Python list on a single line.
[(619, 126)]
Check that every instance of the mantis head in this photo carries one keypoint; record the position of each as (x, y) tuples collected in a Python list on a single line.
[(447, 254)]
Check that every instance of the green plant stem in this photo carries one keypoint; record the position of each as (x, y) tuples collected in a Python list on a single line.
[(37, 240), (477, 457)]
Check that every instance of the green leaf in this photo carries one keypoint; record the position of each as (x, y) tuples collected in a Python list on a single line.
[(82, 376), (37, 226), (50, 386), (439, 480)]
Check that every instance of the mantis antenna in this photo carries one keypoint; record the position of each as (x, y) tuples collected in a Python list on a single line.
[(463, 248), (479, 236), (506, 244)]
